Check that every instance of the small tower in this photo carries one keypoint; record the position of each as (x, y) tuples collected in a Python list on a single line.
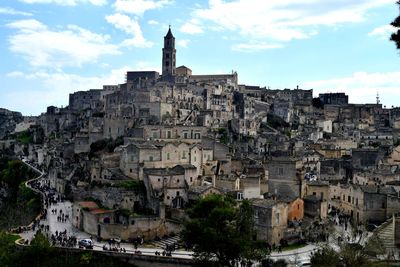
[(169, 54), (377, 98)]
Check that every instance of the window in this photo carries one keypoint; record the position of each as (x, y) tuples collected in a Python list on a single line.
[(191, 179), (185, 135), (277, 218), (177, 181), (169, 134), (130, 170), (166, 63), (349, 199), (256, 214), (177, 193), (154, 134), (150, 158), (280, 170), (167, 156), (183, 154)]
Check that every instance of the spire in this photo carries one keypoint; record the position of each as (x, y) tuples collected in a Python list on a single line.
[(169, 33)]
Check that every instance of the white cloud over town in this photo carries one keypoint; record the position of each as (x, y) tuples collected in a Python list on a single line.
[(66, 2), (131, 27), (275, 20), (254, 47), (12, 11), (191, 27), (382, 32), (139, 7), (72, 45), (183, 43)]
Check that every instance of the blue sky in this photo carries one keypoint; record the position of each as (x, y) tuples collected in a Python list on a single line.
[(51, 48)]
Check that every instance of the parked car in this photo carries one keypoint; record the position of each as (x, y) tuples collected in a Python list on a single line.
[(371, 227), (85, 243), (304, 264)]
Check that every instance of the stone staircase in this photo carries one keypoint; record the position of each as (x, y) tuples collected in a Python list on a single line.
[(166, 241), (386, 234)]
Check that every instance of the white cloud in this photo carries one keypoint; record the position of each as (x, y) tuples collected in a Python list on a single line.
[(153, 22), (281, 20), (66, 2), (253, 47), (191, 27), (183, 43), (139, 7), (131, 27), (72, 46), (383, 32), (15, 74), (27, 25), (362, 87), (12, 11)]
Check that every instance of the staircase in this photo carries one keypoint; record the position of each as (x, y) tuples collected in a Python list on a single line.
[(166, 241), (386, 234)]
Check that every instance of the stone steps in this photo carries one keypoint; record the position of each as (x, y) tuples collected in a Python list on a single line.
[(386, 236), (164, 242)]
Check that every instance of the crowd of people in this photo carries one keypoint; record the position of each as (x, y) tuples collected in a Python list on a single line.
[(50, 207)]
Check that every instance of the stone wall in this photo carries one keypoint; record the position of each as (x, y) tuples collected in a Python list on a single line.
[(149, 228)]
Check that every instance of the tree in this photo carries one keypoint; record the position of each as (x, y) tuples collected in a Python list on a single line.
[(325, 257), (221, 232), (396, 35)]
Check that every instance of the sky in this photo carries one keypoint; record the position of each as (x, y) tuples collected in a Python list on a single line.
[(51, 48)]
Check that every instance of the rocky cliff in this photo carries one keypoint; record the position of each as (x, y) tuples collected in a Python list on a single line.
[(8, 120)]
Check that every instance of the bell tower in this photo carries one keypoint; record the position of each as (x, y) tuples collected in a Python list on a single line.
[(169, 54)]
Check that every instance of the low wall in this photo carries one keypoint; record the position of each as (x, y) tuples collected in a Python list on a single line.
[(138, 260), (148, 228)]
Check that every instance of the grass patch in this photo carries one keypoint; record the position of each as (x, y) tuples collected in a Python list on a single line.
[(137, 186), (294, 246), (25, 137)]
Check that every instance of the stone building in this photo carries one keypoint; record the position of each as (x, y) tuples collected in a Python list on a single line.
[(169, 185), (334, 99), (286, 177), (271, 220), (365, 203), (169, 133)]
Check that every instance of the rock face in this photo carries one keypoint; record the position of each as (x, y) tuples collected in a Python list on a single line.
[(8, 120)]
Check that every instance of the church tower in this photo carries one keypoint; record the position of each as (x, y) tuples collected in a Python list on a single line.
[(169, 54)]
